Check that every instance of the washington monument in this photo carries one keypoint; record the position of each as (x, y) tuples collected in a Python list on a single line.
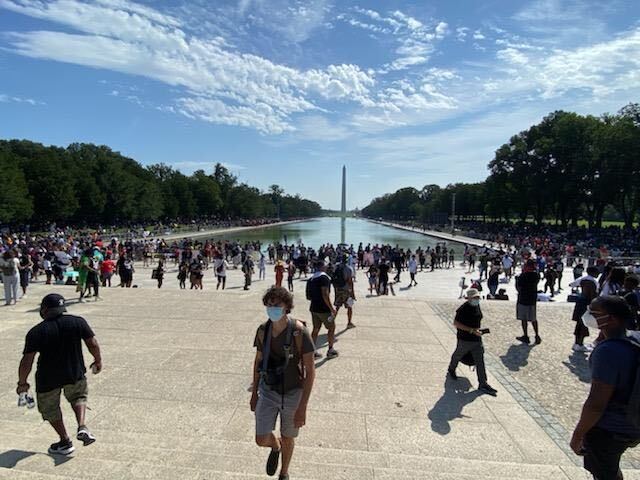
[(344, 191)]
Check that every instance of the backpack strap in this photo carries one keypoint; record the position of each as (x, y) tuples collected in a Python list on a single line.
[(266, 346)]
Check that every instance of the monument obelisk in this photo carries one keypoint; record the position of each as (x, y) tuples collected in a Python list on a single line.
[(343, 210)]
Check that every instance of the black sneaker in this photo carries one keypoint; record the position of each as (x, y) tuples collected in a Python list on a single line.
[(85, 436), (488, 389), (272, 462), (63, 447), (538, 340), (452, 374), (524, 339), (332, 353), (283, 476)]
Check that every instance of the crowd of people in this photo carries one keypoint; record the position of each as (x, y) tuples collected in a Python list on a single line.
[(606, 295)]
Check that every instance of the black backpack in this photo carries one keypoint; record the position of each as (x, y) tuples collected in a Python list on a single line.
[(338, 280)]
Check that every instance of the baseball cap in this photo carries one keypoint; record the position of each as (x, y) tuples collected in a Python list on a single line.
[(53, 300)]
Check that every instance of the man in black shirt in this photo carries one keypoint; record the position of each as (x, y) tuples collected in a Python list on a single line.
[(527, 286), (60, 367), (322, 311), (467, 322)]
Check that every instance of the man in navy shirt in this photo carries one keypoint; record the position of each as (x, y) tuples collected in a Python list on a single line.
[(604, 432)]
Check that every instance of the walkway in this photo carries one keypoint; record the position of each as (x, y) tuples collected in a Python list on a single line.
[(172, 401)]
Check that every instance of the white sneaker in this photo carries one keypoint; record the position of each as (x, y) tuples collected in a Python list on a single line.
[(579, 348), (82, 300)]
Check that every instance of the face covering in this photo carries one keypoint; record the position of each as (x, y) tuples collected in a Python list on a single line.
[(592, 322), (474, 302), (275, 313)]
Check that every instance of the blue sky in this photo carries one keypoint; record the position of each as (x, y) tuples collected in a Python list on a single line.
[(287, 91)]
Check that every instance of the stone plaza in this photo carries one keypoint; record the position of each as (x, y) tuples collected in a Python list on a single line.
[(173, 399)]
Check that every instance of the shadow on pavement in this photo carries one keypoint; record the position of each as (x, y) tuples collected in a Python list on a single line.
[(457, 394), (579, 366), (11, 458), (516, 357)]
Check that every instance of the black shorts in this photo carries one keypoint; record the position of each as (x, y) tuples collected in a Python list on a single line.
[(603, 452)]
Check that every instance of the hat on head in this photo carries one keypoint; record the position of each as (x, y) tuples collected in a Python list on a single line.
[(54, 300), (473, 293)]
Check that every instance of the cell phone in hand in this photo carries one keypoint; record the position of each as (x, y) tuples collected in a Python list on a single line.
[(484, 331)]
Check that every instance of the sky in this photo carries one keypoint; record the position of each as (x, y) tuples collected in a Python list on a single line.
[(404, 93)]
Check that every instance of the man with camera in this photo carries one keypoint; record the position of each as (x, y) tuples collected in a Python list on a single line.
[(283, 376), (469, 334)]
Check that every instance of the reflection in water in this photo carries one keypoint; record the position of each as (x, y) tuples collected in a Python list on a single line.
[(351, 231)]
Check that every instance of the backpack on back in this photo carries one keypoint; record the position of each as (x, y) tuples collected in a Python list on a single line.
[(338, 279), (9, 268)]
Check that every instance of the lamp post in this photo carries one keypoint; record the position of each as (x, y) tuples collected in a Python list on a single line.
[(453, 214)]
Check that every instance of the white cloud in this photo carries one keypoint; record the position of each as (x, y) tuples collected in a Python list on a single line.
[(478, 35), (600, 69), (221, 85), (4, 98), (461, 33), (317, 127), (442, 29)]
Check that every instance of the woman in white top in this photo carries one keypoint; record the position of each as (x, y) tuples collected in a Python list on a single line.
[(220, 266), (10, 277), (262, 267)]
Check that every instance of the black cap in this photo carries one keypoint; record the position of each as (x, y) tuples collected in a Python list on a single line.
[(53, 300)]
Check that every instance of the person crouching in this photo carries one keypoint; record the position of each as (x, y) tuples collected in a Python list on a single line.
[(467, 323)]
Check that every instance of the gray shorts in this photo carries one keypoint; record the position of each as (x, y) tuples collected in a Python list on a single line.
[(270, 404), (526, 313)]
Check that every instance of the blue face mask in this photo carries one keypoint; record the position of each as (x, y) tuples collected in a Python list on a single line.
[(275, 313)]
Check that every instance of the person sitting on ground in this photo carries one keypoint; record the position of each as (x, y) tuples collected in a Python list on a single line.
[(469, 335)]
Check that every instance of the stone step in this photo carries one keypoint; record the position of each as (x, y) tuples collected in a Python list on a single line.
[(244, 460)]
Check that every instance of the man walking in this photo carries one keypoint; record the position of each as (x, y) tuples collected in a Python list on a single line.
[(413, 269), (344, 292), (247, 269), (283, 376), (527, 286), (61, 367), (322, 312), (605, 430), (469, 335)]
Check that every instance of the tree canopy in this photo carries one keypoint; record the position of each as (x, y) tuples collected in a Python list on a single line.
[(567, 168), (89, 184)]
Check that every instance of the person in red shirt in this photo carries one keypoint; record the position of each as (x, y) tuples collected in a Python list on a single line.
[(107, 267)]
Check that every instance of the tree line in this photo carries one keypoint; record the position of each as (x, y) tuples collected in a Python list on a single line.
[(90, 184), (565, 169)]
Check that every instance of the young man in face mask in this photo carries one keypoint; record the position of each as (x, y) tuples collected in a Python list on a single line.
[(604, 432), (283, 386), (467, 323), (60, 368)]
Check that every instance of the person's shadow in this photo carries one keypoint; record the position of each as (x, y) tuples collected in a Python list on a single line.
[(457, 394), (516, 357), (579, 366), (11, 458)]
